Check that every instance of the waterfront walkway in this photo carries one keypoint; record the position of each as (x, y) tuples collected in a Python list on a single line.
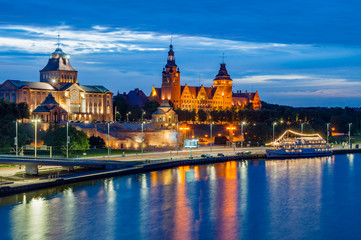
[(52, 176)]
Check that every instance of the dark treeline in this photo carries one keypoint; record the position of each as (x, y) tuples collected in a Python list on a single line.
[(9, 113), (259, 124), (126, 112)]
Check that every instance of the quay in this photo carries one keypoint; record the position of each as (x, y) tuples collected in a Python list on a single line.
[(111, 168)]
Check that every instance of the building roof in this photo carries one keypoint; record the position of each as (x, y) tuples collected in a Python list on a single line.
[(171, 60), (94, 88), (66, 86), (58, 61), (49, 100), (48, 104), (248, 95), (32, 85), (195, 90), (163, 108), (222, 73), (135, 97), (41, 109), (210, 91)]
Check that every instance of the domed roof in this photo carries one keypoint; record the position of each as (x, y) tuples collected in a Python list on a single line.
[(223, 74), (58, 61), (58, 53)]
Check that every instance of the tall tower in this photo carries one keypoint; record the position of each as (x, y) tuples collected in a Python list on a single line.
[(58, 71), (171, 87), (224, 82)]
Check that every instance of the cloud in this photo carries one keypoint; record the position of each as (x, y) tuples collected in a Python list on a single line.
[(269, 78), (297, 80), (98, 39), (325, 93)]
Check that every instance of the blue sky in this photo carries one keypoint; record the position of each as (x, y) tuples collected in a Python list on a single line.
[(299, 53)]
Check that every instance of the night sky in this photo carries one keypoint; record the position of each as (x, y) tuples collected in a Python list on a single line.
[(299, 53)]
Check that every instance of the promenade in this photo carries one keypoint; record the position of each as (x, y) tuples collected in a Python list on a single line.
[(14, 180)]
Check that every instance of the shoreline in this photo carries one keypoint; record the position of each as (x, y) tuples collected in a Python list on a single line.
[(47, 183)]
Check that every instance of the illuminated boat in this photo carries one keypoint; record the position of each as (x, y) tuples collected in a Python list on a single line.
[(299, 145)]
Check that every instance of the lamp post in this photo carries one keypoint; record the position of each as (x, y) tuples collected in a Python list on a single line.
[(36, 135), (67, 139), (142, 132), (128, 116), (349, 134), (177, 137), (185, 131), (328, 132), (231, 134), (211, 137), (242, 135), (274, 124), (16, 137), (108, 140), (302, 127)]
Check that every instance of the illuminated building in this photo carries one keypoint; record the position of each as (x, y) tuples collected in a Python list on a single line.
[(60, 79), (218, 96), (164, 116)]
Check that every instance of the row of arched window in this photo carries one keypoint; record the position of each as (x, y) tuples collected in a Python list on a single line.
[(49, 76)]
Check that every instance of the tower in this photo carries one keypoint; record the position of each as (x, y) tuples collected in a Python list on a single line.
[(58, 71), (224, 82), (171, 87)]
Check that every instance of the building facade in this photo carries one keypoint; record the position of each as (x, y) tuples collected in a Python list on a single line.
[(60, 79), (218, 96), (164, 116)]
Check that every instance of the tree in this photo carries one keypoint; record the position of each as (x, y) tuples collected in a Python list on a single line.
[(56, 137), (202, 115), (9, 113), (96, 142), (149, 108), (122, 106)]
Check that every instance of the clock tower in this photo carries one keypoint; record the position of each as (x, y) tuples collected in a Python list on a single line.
[(171, 88)]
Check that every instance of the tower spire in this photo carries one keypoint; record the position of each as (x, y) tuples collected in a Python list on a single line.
[(222, 58), (58, 40)]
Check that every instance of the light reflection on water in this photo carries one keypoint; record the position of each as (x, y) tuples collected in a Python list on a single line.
[(281, 199)]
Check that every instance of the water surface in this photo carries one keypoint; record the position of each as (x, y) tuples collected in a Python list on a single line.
[(316, 198)]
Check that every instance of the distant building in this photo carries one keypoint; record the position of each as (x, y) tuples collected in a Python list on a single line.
[(60, 79), (135, 98), (218, 96), (50, 111), (164, 116)]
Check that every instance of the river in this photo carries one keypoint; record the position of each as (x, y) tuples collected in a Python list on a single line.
[(318, 198)]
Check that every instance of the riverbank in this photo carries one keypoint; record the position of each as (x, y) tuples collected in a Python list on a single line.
[(147, 166)]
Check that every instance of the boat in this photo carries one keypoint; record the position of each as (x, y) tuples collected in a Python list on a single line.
[(299, 145)]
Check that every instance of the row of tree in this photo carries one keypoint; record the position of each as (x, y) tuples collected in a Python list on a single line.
[(9, 114), (126, 112), (315, 117)]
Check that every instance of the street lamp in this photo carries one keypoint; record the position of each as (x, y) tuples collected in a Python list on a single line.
[(349, 134), (185, 130), (36, 135), (242, 135), (67, 139), (108, 139), (211, 137), (16, 137), (274, 124), (128, 116), (231, 135), (328, 132), (302, 127), (143, 113)]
